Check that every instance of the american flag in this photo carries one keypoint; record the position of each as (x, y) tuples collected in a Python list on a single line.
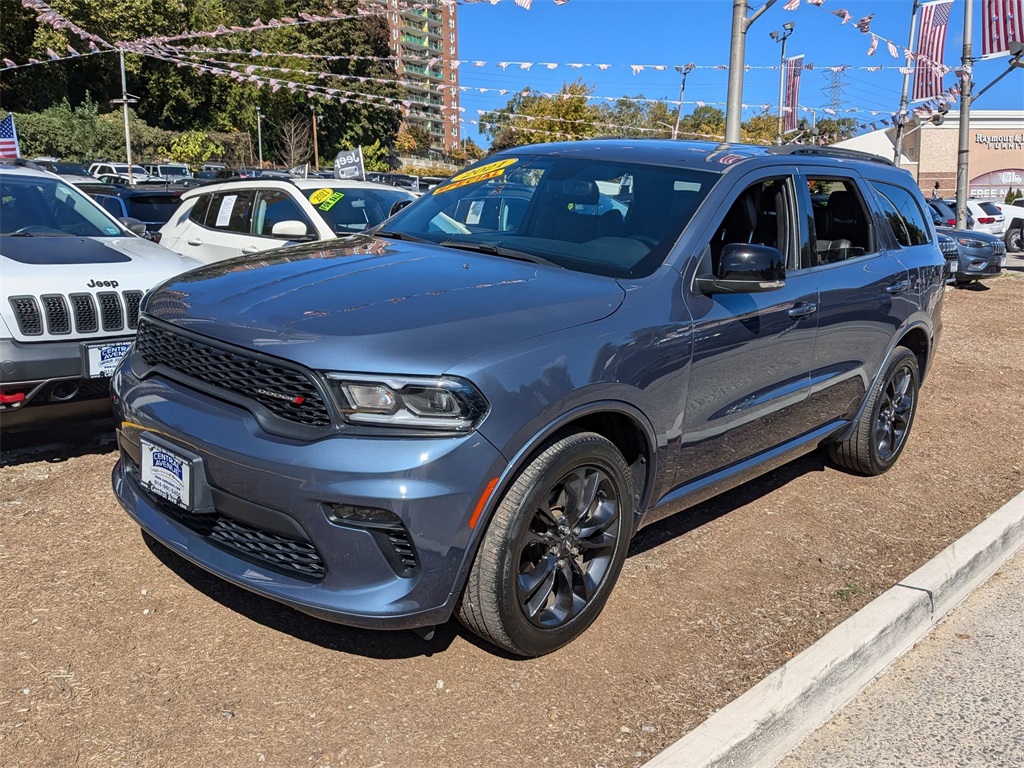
[(1001, 21), (931, 42), (8, 138), (794, 68)]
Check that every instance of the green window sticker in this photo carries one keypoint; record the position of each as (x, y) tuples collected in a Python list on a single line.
[(327, 204)]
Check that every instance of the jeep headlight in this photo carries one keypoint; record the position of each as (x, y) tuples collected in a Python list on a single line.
[(970, 242), (443, 403)]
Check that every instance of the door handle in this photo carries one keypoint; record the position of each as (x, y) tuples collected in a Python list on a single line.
[(899, 287), (250, 249), (804, 308), (194, 241)]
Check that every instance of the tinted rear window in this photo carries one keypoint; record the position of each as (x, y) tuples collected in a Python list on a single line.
[(153, 208)]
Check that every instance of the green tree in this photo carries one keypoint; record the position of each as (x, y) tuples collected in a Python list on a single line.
[(530, 118), (192, 147)]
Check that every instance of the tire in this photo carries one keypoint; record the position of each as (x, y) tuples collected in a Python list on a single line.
[(538, 581), (884, 425), (1013, 240)]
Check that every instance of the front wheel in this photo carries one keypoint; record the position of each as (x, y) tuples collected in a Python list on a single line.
[(884, 425), (554, 548)]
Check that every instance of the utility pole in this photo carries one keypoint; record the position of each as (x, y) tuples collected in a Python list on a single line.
[(127, 132), (684, 70), (737, 53), (964, 152), (902, 114), (259, 133), (316, 146)]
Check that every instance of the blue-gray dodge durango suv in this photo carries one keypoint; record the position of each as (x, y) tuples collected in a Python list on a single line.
[(472, 408)]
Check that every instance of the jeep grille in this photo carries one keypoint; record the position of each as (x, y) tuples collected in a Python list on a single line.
[(58, 315)]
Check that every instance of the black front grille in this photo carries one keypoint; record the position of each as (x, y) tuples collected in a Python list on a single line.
[(84, 309), (26, 312), (132, 299), (298, 399), (58, 321), (110, 311)]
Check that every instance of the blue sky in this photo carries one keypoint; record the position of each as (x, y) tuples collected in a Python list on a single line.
[(670, 32)]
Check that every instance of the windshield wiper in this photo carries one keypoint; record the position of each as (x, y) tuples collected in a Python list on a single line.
[(497, 250), (401, 236)]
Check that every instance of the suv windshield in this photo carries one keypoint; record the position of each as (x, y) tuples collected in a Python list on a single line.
[(608, 218), (46, 207), (348, 210)]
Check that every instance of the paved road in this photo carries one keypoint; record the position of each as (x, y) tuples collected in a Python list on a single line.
[(955, 700)]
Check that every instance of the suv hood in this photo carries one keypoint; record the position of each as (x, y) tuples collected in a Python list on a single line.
[(378, 305)]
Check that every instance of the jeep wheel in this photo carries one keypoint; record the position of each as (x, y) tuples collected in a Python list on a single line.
[(884, 425), (554, 548), (1013, 240)]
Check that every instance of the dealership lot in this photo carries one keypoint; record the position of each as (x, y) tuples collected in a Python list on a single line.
[(119, 653)]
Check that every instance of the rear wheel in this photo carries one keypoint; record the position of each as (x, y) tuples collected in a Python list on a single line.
[(554, 548), (1013, 240), (884, 425)]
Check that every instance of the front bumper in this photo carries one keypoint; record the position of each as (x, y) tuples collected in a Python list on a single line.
[(47, 372), (279, 492), (979, 264)]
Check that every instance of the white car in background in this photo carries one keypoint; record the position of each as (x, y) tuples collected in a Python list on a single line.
[(73, 280), (243, 216), (119, 172), (987, 217)]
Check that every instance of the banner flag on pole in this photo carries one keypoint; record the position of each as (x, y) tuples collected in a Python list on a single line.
[(794, 67), (1001, 22), (931, 43)]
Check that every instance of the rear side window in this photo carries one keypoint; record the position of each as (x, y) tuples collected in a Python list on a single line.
[(842, 226), (903, 214), (229, 211), (198, 212)]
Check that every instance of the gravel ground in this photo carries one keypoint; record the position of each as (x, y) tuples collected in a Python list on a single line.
[(116, 652)]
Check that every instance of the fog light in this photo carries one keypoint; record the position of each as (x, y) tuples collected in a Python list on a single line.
[(347, 513)]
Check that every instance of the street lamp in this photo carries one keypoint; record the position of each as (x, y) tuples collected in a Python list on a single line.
[(781, 37), (684, 71), (316, 145), (259, 133)]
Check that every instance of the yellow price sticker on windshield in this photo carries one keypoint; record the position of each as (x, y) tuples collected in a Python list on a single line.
[(478, 174), (320, 195)]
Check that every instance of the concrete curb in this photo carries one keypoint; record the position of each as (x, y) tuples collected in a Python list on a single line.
[(761, 726)]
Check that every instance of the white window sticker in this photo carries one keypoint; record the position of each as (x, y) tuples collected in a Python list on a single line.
[(224, 214)]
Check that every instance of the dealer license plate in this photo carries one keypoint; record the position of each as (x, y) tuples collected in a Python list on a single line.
[(166, 474), (1002, 261), (102, 359), (954, 266)]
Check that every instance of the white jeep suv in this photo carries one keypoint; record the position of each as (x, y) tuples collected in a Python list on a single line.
[(73, 279), (234, 218)]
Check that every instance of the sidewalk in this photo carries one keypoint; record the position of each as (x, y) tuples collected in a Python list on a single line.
[(957, 699), (972, 700)]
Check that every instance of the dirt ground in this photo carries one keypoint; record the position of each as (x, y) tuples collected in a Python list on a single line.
[(115, 652)]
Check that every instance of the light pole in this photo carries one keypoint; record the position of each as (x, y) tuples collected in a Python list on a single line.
[(782, 37), (684, 71), (964, 149), (737, 49), (902, 116), (259, 133), (125, 100)]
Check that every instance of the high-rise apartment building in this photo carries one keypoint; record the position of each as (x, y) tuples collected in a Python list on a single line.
[(425, 41)]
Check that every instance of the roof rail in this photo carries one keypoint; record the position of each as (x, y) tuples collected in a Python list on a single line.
[(250, 179), (851, 154), (23, 163)]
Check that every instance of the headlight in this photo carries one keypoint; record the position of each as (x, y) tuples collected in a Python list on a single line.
[(445, 402), (968, 242)]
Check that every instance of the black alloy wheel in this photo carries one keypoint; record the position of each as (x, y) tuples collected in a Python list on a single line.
[(895, 411), (553, 549)]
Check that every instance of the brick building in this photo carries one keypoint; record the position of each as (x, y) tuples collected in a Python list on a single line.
[(995, 164), (425, 42)]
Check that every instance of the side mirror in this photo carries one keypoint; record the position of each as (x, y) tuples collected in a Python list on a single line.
[(134, 226), (746, 268), (398, 206), (289, 230)]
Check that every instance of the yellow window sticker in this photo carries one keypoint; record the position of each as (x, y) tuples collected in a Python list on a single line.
[(481, 173), (327, 204), (320, 195)]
